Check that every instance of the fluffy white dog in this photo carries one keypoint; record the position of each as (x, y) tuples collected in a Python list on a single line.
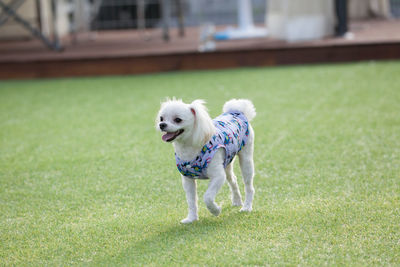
[(205, 149)]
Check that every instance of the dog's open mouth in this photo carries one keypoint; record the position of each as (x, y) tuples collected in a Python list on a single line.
[(170, 136)]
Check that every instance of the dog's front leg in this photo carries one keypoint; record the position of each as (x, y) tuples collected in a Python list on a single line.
[(189, 185), (216, 173)]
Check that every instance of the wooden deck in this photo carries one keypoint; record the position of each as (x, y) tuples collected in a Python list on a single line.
[(132, 52)]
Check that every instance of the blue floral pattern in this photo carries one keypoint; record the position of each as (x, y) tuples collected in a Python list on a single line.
[(232, 132)]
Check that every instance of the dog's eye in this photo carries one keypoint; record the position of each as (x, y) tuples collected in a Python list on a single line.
[(161, 118), (177, 120)]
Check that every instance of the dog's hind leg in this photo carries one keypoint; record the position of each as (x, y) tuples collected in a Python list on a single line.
[(247, 168), (232, 181), (216, 173)]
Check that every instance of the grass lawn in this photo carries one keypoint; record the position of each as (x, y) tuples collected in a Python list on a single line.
[(86, 180)]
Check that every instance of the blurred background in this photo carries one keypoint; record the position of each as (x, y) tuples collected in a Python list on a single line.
[(47, 38)]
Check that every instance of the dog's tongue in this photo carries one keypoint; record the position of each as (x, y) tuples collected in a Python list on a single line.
[(167, 136)]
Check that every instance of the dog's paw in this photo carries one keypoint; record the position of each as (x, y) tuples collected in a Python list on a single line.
[(189, 220), (215, 210), (237, 202), (246, 209)]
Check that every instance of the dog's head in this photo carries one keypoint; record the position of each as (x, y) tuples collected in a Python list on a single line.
[(186, 123)]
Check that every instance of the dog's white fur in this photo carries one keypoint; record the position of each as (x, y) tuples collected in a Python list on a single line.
[(198, 129)]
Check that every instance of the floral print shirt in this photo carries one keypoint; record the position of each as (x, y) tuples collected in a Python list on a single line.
[(232, 132)]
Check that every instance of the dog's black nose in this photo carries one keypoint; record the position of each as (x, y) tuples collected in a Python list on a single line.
[(163, 125)]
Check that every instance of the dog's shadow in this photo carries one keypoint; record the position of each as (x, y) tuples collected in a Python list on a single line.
[(178, 236)]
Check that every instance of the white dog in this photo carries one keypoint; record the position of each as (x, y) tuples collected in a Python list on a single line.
[(205, 148)]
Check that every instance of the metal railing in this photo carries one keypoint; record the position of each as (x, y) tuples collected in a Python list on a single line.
[(129, 14), (395, 8)]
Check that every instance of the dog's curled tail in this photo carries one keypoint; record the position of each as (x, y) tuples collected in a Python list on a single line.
[(242, 105)]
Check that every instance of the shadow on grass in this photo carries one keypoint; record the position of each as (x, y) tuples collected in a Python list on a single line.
[(162, 244)]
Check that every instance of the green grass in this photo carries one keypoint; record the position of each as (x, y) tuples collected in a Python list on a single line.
[(86, 180)]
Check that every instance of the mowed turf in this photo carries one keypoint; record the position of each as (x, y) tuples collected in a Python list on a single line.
[(85, 178)]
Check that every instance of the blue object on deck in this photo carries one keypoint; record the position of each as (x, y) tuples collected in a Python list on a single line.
[(246, 28)]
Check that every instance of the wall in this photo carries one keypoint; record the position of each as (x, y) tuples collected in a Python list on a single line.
[(297, 20), (363, 9)]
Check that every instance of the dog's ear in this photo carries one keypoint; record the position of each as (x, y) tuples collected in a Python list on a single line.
[(203, 127), (198, 107)]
